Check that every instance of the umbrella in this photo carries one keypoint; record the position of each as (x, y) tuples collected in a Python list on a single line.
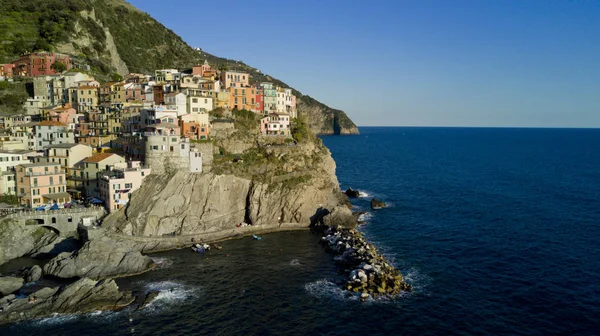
[(54, 207)]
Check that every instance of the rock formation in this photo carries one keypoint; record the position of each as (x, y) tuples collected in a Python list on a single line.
[(377, 204), (10, 285), (371, 274), (17, 240), (33, 274), (352, 193), (82, 296), (98, 259), (286, 185)]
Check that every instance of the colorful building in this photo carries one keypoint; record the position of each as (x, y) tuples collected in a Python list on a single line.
[(242, 98), (39, 63), (194, 126), (6, 71), (41, 183), (117, 185), (234, 79)]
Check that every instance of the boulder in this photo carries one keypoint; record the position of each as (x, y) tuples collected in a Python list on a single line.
[(352, 193), (33, 274), (10, 285), (99, 259), (377, 204), (149, 297), (82, 296)]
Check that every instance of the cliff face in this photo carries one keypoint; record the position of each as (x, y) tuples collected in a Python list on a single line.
[(183, 203)]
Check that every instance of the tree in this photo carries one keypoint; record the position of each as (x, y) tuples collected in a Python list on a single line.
[(58, 66), (116, 77)]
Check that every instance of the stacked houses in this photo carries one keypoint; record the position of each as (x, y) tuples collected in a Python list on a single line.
[(82, 139)]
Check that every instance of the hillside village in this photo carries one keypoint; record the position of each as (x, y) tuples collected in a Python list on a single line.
[(78, 140)]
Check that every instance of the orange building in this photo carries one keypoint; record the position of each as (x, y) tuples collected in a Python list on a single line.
[(242, 98), (194, 126)]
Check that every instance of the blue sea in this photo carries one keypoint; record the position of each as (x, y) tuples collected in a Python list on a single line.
[(498, 230)]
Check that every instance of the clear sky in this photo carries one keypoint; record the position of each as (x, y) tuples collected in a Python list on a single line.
[(414, 63)]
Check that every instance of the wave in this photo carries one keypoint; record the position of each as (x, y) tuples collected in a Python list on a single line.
[(365, 217), (170, 293), (295, 262), (325, 289), (55, 319)]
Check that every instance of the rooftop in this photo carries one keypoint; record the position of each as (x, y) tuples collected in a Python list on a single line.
[(50, 123), (65, 145), (99, 157)]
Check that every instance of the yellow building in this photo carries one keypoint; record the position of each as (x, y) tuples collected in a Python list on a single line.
[(118, 95), (87, 98), (220, 99)]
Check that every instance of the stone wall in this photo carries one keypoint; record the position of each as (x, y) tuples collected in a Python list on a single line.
[(65, 221)]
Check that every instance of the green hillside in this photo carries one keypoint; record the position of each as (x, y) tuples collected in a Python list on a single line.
[(112, 36)]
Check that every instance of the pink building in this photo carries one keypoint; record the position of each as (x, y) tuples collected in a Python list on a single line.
[(41, 184), (63, 114), (234, 79), (117, 185), (201, 70), (276, 124)]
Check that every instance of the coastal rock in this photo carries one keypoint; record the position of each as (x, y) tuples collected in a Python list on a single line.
[(33, 274), (352, 193), (182, 203), (100, 258), (82, 296), (371, 274), (10, 285), (377, 204), (149, 297), (17, 240)]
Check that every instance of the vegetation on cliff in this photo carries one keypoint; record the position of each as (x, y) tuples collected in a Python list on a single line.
[(141, 42)]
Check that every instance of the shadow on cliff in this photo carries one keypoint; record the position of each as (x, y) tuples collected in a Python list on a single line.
[(316, 220), (66, 245)]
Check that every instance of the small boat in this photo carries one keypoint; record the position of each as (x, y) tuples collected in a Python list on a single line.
[(218, 247), (256, 237)]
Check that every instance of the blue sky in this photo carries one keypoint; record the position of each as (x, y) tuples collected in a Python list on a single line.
[(528, 63)]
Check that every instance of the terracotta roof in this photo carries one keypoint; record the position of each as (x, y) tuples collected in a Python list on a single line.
[(109, 84), (87, 87), (50, 123), (98, 157)]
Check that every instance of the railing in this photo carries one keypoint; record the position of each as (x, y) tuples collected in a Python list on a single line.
[(60, 171)]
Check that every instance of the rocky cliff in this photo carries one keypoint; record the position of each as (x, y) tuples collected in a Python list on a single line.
[(267, 185)]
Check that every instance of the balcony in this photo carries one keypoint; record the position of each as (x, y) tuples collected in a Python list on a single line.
[(60, 171)]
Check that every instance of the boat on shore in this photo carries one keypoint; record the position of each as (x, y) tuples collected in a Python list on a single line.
[(200, 248)]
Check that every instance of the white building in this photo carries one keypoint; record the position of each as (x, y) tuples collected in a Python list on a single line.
[(8, 160), (199, 104), (177, 101), (48, 133)]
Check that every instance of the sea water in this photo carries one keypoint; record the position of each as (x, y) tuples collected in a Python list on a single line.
[(498, 230)]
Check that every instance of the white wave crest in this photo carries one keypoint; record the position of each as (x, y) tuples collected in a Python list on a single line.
[(365, 217), (363, 194), (55, 319), (325, 289), (170, 293), (295, 262)]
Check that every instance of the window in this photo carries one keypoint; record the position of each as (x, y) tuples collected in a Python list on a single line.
[(51, 180), (174, 139), (128, 185), (194, 100)]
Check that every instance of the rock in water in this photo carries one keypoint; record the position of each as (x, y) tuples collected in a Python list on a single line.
[(10, 285), (98, 259), (377, 204), (149, 297), (82, 296), (33, 274), (352, 193)]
